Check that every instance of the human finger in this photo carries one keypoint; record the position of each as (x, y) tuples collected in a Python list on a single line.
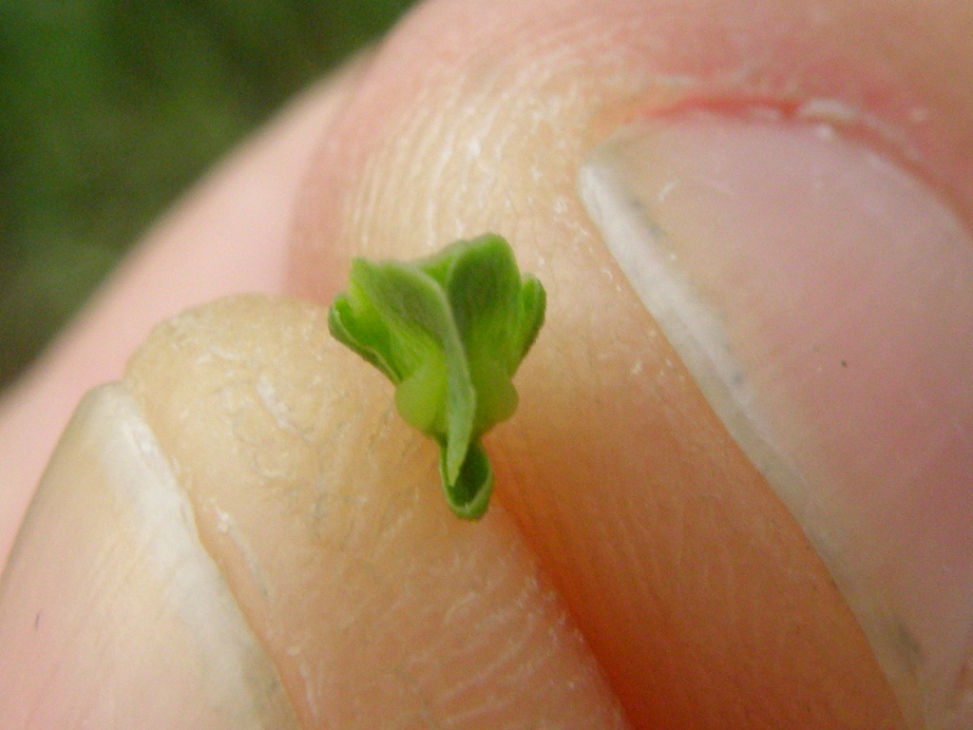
[(704, 451)]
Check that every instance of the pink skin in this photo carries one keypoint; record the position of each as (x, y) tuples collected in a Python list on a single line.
[(910, 91), (839, 357), (870, 86)]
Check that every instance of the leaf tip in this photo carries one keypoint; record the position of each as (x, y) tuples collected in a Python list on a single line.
[(469, 495)]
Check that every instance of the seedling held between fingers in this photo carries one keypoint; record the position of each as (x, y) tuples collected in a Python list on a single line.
[(449, 331)]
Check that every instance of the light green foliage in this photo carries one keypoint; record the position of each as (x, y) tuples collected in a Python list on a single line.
[(449, 331), (110, 110)]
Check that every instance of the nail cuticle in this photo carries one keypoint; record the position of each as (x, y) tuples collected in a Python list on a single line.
[(905, 135)]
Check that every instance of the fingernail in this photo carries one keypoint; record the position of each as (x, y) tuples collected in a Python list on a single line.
[(822, 297), (112, 614)]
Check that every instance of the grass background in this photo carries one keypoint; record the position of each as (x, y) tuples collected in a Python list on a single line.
[(109, 109)]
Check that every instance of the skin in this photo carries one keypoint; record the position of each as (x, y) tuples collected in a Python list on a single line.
[(722, 645)]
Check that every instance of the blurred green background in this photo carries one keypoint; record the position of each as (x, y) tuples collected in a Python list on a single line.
[(109, 109)]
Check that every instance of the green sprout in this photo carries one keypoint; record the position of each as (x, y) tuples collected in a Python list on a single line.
[(449, 331)]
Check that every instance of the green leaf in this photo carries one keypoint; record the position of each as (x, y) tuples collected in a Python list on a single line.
[(450, 332)]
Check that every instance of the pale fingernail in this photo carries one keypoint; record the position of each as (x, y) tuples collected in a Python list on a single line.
[(822, 297), (112, 614)]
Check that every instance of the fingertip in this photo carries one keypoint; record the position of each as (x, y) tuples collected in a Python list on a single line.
[(111, 611), (324, 511), (448, 139)]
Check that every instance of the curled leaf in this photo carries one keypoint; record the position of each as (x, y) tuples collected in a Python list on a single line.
[(449, 331)]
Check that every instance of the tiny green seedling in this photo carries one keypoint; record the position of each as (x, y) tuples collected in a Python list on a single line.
[(449, 331)]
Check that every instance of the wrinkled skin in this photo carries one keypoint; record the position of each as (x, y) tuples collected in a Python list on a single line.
[(377, 161)]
